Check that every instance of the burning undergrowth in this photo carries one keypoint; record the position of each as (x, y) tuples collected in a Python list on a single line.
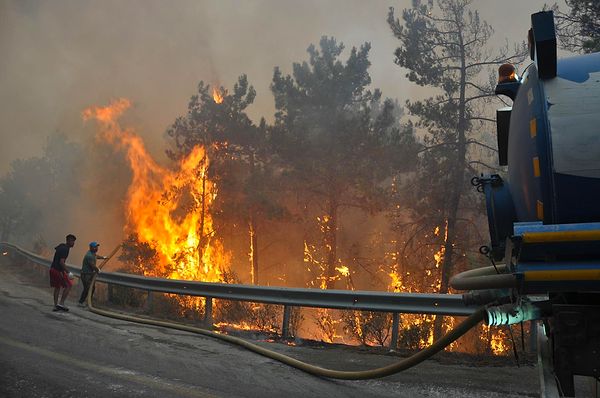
[(169, 232)]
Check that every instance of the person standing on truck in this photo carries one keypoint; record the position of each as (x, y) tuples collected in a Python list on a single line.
[(59, 274), (88, 268)]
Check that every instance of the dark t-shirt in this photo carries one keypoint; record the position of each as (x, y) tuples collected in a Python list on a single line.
[(62, 251)]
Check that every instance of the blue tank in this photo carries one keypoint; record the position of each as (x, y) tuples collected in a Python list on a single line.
[(549, 138), (554, 143), (544, 216)]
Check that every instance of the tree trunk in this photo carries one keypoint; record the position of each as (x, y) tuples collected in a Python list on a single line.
[(457, 186)]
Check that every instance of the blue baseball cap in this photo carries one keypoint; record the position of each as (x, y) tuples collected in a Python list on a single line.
[(94, 244)]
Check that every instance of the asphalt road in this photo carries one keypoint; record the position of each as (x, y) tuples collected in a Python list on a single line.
[(80, 354)]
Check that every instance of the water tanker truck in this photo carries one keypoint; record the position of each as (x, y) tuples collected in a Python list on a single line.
[(544, 213)]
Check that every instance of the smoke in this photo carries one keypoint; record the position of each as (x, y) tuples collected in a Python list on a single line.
[(62, 56), (59, 57)]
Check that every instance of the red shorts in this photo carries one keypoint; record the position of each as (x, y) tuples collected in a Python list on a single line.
[(59, 278)]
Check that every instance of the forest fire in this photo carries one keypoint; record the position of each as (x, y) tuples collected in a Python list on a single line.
[(167, 209), (337, 185), (417, 330)]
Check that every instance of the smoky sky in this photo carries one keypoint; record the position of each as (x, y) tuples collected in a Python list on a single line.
[(58, 57)]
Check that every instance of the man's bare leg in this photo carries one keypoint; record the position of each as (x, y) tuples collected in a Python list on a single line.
[(56, 291), (65, 293)]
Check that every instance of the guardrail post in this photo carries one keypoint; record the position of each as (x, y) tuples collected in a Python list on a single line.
[(533, 338), (149, 301), (285, 329), (395, 327), (110, 293), (208, 307)]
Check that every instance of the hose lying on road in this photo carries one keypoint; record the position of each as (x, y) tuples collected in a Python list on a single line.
[(404, 364)]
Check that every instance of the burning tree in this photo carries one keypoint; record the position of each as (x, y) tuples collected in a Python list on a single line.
[(338, 141), (167, 209), (444, 46), (241, 165)]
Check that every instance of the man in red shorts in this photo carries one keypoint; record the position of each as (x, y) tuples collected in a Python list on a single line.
[(59, 274)]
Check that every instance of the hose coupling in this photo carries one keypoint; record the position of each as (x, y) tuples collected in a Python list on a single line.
[(509, 314)]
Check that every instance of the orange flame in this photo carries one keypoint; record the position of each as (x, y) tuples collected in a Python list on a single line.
[(439, 255), (217, 96), (343, 270), (498, 344), (168, 209)]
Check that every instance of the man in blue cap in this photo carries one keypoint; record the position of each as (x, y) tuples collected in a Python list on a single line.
[(88, 268)]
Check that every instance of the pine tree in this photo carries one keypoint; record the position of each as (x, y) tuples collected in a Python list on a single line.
[(338, 141), (443, 45), (579, 28), (240, 161)]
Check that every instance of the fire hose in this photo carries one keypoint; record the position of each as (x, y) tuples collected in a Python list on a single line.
[(399, 366), (492, 277)]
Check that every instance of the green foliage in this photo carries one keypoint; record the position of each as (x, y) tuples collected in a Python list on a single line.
[(334, 135), (444, 44), (367, 327), (229, 311), (35, 194), (339, 142), (266, 317), (411, 337), (579, 28), (235, 147), (140, 257), (221, 127), (125, 296)]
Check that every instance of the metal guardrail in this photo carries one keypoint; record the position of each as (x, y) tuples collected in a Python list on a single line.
[(396, 303), (415, 303)]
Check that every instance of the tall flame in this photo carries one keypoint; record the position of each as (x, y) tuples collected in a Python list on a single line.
[(168, 209)]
